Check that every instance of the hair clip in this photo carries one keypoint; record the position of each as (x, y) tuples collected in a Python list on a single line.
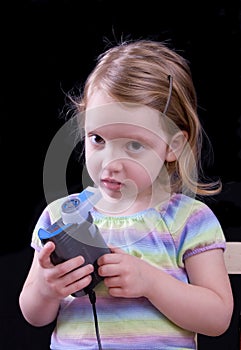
[(170, 78)]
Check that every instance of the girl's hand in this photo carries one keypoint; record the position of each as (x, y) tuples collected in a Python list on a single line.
[(124, 274), (59, 281)]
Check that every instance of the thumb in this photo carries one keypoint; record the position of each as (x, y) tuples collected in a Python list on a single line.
[(44, 255), (117, 250)]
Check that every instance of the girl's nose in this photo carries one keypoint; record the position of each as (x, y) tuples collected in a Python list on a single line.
[(113, 165), (113, 159)]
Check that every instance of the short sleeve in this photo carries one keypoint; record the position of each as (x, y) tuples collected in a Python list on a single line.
[(193, 226), (201, 232)]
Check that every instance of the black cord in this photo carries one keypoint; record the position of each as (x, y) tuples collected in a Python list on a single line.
[(92, 298)]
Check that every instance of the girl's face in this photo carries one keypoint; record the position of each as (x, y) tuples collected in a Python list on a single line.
[(125, 149)]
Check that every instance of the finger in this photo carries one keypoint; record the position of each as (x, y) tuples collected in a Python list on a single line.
[(117, 250), (77, 285), (78, 274), (70, 265), (44, 255), (109, 259), (109, 270), (113, 258), (116, 292)]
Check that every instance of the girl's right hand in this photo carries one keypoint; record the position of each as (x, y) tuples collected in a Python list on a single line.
[(59, 281)]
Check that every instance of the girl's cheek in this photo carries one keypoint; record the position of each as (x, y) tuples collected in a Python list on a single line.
[(93, 165)]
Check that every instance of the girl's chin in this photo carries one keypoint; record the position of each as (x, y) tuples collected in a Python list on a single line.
[(115, 203), (110, 193), (115, 195)]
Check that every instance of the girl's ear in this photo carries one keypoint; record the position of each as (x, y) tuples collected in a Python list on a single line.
[(176, 145)]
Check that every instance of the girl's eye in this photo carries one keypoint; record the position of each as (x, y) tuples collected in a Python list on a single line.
[(134, 146), (96, 140)]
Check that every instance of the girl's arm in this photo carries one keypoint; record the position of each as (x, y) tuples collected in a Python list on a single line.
[(47, 284), (203, 306), (206, 304)]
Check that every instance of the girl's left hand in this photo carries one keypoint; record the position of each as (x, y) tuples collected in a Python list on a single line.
[(124, 274)]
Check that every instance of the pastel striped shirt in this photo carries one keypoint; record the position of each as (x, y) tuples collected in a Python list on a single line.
[(164, 236)]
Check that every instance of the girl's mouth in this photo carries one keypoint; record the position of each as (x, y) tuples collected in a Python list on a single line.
[(111, 184)]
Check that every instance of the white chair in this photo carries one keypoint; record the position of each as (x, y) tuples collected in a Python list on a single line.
[(232, 256)]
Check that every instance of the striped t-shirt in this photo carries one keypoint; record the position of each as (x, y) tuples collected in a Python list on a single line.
[(164, 236)]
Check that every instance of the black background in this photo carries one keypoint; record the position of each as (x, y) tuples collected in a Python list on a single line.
[(50, 47)]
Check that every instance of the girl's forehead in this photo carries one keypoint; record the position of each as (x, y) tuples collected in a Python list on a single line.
[(124, 116), (103, 111)]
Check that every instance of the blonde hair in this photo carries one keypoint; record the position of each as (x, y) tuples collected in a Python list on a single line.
[(138, 72)]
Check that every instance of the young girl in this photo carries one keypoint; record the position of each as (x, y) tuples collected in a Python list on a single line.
[(165, 279)]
